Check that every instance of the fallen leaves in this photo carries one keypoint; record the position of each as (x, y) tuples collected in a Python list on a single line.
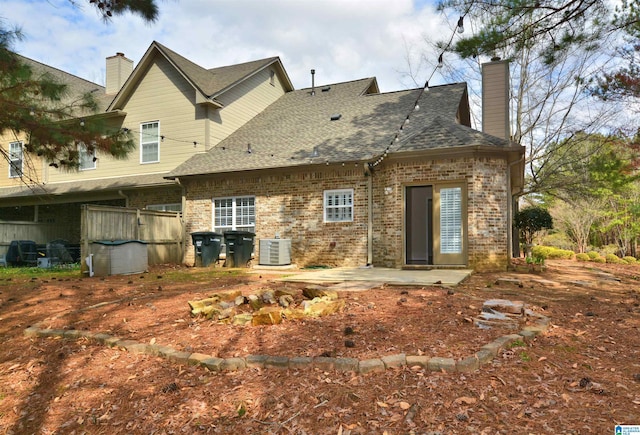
[(465, 400), (325, 403), (403, 405)]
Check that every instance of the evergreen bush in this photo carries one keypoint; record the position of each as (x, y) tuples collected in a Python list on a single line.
[(593, 255), (613, 259), (551, 253), (582, 257)]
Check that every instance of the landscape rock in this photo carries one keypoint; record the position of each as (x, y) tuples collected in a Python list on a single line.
[(285, 300), (267, 316), (394, 361), (437, 364), (322, 306), (268, 297), (504, 306), (254, 302), (242, 319), (314, 292), (371, 365)]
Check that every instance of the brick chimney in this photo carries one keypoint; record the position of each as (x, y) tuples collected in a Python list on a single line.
[(119, 68), (495, 98)]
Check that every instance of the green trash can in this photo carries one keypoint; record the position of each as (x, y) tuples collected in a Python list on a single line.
[(207, 245), (239, 248)]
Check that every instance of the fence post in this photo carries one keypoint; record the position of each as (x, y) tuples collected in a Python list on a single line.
[(84, 237)]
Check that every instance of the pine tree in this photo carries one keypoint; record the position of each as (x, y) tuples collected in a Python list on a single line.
[(49, 118)]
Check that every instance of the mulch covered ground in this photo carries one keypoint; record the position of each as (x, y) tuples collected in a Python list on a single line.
[(581, 376)]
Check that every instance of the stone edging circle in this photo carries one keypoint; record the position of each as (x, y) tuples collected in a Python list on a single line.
[(464, 365)]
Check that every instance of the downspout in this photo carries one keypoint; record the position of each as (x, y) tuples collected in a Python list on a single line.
[(370, 226), (510, 209), (126, 198), (369, 174)]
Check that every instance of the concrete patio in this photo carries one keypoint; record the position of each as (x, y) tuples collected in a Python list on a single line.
[(379, 276)]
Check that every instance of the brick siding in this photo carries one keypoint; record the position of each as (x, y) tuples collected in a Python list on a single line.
[(291, 205)]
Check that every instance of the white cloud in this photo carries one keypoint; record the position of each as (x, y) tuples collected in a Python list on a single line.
[(342, 39)]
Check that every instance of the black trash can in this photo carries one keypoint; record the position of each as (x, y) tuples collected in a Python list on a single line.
[(239, 248), (207, 245)]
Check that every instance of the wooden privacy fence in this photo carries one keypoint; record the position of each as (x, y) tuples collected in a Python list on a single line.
[(162, 231), (39, 232)]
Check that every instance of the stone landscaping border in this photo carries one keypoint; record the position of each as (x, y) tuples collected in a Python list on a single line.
[(438, 364)]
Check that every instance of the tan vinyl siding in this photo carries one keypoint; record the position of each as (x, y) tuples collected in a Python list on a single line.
[(243, 102), (495, 99), (31, 165), (162, 95)]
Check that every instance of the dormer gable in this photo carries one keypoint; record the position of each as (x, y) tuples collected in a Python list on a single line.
[(207, 84)]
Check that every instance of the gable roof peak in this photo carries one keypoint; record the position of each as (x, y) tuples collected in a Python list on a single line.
[(208, 83)]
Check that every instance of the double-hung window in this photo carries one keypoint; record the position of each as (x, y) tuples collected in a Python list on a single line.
[(338, 205), (87, 159), (150, 142), (15, 159), (234, 214)]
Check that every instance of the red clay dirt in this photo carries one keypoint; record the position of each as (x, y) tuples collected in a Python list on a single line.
[(581, 376)]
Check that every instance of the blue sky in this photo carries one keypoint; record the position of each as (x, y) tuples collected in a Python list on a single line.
[(341, 39)]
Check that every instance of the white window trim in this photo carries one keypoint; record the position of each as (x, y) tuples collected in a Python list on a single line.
[(11, 165), (234, 216), (83, 149), (158, 142), (325, 207)]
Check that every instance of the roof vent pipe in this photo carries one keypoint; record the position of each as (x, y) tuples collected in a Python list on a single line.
[(313, 82)]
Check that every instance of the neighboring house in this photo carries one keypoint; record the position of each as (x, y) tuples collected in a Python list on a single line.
[(355, 177), (237, 148), (174, 108)]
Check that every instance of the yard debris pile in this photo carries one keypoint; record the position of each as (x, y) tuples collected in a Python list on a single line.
[(505, 313), (500, 312), (267, 306)]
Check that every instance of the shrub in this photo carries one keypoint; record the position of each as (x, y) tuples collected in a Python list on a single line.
[(582, 257), (630, 260), (609, 249), (613, 259), (599, 259), (530, 220), (549, 252), (557, 240), (593, 255)]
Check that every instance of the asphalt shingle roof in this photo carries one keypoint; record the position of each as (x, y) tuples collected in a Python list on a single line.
[(297, 129), (76, 86), (212, 82), (97, 185)]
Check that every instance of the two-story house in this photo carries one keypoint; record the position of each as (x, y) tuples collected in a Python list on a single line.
[(350, 175), (174, 109)]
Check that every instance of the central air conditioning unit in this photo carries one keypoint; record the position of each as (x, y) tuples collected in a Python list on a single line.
[(275, 252)]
